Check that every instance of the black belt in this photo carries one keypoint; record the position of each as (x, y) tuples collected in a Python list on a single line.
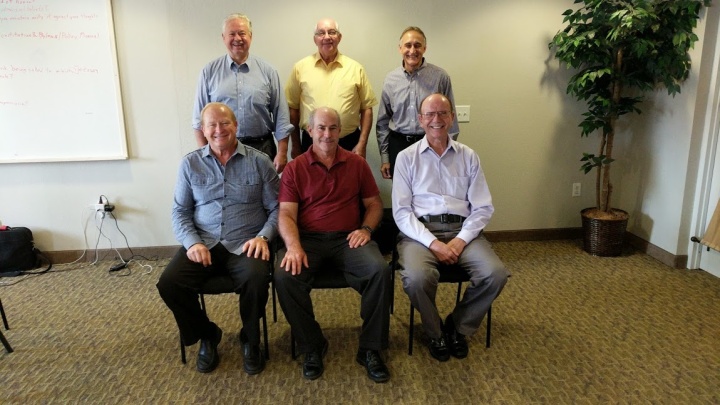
[(409, 138), (246, 139), (442, 218)]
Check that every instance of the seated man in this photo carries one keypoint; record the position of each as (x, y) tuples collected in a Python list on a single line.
[(225, 212), (320, 222), (441, 204)]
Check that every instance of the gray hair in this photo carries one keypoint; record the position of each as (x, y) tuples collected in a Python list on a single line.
[(237, 16)]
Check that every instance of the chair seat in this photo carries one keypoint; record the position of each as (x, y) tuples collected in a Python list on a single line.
[(330, 277), (218, 285)]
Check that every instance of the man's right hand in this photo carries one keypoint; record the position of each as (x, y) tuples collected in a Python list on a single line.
[(385, 171), (294, 260), (199, 253), (444, 253)]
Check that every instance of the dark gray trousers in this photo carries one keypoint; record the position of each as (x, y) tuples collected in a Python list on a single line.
[(365, 270), (180, 283)]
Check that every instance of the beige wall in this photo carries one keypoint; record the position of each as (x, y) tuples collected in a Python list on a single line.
[(523, 125)]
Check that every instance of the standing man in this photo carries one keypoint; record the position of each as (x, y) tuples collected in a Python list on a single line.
[(321, 224), (329, 78), (251, 88), (441, 204), (403, 90), (224, 214)]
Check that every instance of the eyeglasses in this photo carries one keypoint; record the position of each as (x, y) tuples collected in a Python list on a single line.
[(331, 33), (433, 114)]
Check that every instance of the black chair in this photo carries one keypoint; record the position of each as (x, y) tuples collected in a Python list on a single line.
[(223, 285), (448, 274), (5, 343)]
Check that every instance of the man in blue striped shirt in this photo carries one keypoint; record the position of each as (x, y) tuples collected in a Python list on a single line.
[(251, 88), (224, 214), (403, 90)]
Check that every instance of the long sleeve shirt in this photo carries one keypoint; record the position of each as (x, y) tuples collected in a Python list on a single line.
[(225, 204), (252, 91), (400, 101), (426, 183)]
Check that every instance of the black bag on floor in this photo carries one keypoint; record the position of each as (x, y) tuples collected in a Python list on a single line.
[(18, 253)]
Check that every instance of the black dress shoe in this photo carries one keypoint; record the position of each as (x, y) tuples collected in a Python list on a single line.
[(439, 349), (313, 365), (254, 361), (208, 357), (376, 369), (455, 340)]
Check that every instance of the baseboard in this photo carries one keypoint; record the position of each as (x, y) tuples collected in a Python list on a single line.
[(162, 252), (151, 252), (534, 235), (657, 253)]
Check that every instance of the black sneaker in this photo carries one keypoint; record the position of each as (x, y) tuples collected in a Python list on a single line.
[(455, 340)]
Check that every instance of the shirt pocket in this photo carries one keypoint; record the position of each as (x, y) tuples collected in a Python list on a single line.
[(246, 190), (206, 188), (458, 187)]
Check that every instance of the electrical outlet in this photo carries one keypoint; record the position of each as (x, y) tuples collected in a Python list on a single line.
[(463, 113), (577, 189)]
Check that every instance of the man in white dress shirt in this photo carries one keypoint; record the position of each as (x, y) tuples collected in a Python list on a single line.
[(441, 204)]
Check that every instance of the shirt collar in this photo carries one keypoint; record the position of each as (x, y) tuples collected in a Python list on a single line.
[(230, 62), (341, 156), (338, 59), (422, 66), (241, 150), (425, 145)]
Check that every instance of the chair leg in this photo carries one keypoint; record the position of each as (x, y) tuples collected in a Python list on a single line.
[(182, 351), (274, 295), (5, 343), (457, 299), (292, 346), (489, 325), (4, 318), (392, 296), (265, 334), (411, 331)]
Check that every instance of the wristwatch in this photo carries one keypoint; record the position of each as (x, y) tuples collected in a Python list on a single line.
[(263, 237), (367, 228)]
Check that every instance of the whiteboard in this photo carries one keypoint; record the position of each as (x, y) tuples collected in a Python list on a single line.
[(59, 83)]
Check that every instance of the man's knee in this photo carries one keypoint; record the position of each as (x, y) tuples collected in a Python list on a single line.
[(419, 279)]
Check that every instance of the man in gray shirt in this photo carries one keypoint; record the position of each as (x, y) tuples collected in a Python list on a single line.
[(403, 90), (224, 214), (251, 88)]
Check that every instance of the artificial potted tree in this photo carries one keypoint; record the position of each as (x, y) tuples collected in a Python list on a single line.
[(621, 49)]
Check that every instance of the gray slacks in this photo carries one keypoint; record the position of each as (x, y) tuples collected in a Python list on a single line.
[(420, 277)]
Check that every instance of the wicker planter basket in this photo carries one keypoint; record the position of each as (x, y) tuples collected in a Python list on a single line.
[(604, 237)]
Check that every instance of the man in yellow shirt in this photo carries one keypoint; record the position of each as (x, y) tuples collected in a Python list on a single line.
[(329, 78)]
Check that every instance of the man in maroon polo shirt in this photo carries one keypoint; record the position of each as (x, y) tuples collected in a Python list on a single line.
[(321, 224)]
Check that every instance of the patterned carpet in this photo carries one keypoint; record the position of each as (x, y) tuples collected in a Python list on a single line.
[(569, 328)]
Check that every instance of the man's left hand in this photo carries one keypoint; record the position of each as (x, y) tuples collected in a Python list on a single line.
[(256, 248), (359, 150), (358, 237), (280, 162)]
